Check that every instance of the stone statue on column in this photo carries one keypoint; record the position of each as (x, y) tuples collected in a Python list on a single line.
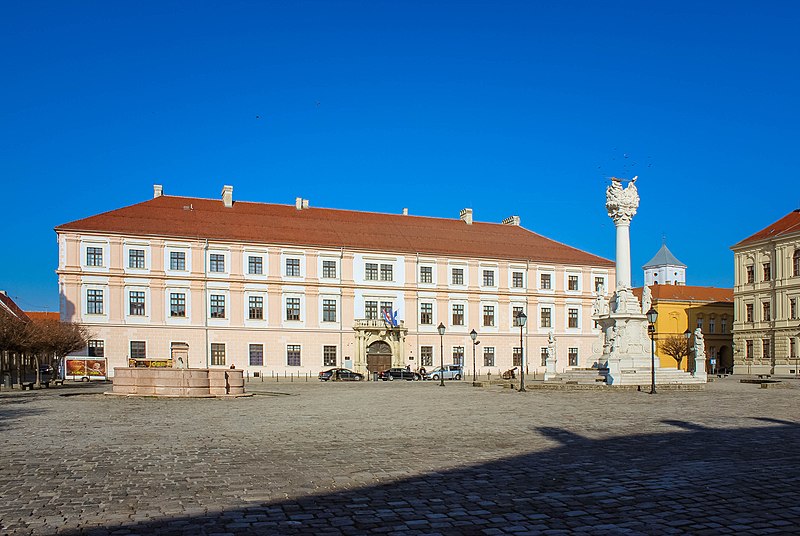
[(699, 355), (550, 361)]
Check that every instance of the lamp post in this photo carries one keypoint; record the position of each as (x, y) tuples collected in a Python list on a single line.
[(687, 335), (474, 335), (441, 329), (521, 318), (652, 315)]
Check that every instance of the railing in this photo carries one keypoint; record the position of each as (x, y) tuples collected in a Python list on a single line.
[(373, 323)]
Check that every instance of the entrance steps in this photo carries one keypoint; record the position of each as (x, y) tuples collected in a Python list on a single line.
[(580, 376), (664, 376)]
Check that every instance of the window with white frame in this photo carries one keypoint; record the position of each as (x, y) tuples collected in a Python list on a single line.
[(426, 356), (546, 317), (387, 307), (177, 304), (546, 282), (255, 265), (387, 272), (371, 271), (748, 312), (796, 263), (329, 356), (293, 355), (94, 301), (458, 355), (767, 271), (94, 256), (517, 280), (292, 309), (217, 354), (488, 278), (136, 303), (515, 312), (488, 356), (748, 349), (328, 310), (766, 316), (426, 274), (177, 261), (217, 309), (426, 313), (216, 263), (572, 317), (458, 314), (543, 354), (138, 350), (766, 351), (136, 258), (750, 274), (572, 355), (793, 308), (256, 352), (572, 282), (292, 267), (371, 310), (329, 269), (516, 356), (96, 348), (255, 307), (599, 283), (488, 315), (457, 276)]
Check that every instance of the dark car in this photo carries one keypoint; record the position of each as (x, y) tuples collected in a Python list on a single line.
[(340, 374), (398, 374)]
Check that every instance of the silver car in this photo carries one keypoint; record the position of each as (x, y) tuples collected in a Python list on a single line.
[(450, 372)]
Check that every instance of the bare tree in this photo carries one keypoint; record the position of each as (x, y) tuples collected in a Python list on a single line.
[(675, 346)]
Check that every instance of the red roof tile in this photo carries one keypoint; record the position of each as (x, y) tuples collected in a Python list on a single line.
[(786, 225), (8, 304), (262, 223), (688, 293), (43, 315)]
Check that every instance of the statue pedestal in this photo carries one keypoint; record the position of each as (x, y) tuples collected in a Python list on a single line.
[(550, 368)]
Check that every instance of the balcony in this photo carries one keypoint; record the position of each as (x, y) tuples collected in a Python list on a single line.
[(369, 323)]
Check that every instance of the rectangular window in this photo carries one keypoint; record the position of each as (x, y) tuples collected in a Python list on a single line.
[(547, 320), (748, 315), (217, 305), (217, 354), (96, 348), (700, 323), (458, 276), (792, 348), (767, 271), (517, 280), (94, 302), (255, 265), (515, 312), (748, 349), (572, 318), (292, 267), (458, 355), (329, 310), (599, 282), (572, 282), (138, 350), (488, 278), (546, 282), (255, 307), (292, 308), (216, 263), (371, 310), (766, 310), (543, 354), (488, 356), (426, 274), (177, 261), (750, 270), (256, 355), (426, 313), (793, 309), (371, 271), (387, 272), (712, 325), (136, 303), (177, 304), (386, 307), (516, 357), (136, 258), (723, 325), (293, 355), (426, 356), (572, 355), (329, 356), (488, 315), (94, 256), (458, 314), (329, 269), (765, 349)]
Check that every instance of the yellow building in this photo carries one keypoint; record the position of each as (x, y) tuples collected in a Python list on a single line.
[(682, 307)]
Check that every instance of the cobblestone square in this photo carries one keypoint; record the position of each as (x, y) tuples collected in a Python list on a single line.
[(402, 458)]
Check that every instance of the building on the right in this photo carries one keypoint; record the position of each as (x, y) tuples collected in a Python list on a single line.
[(766, 295)]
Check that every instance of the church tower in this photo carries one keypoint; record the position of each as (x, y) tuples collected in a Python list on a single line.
[(664, 269)]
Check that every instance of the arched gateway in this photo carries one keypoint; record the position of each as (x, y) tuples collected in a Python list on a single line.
[(379, 346), (379, 356)]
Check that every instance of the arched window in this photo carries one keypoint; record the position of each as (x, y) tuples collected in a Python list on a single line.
[(796, 263)]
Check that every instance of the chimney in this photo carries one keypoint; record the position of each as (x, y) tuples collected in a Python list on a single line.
[(227, 196), (158, 190), (300, 203), (511, 220), (405, 212), (305, 204), (466, 215)]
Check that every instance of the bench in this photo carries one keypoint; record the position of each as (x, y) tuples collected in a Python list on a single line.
[(28, 385)]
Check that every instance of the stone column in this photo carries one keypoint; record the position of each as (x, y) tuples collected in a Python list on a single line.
[(623, 265)]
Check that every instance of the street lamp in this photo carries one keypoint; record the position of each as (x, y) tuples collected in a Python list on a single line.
[(441, 329), (652, 315), (687, 335), (474, 335), (521, 319)]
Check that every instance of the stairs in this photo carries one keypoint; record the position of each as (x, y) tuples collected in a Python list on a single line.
[(629, 377)]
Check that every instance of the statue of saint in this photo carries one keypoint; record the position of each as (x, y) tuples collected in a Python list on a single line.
[(600, 305), (699, 344), (551, 346), (647, 299)]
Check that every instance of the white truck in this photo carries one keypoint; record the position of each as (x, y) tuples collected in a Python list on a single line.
[(85, 368)]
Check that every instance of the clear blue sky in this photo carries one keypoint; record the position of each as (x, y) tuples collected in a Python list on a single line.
[(506, 107)]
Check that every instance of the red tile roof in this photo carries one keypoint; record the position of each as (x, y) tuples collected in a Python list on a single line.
[(7, 304), (688, 293), (43, 315), (262, 223), (786, 225)]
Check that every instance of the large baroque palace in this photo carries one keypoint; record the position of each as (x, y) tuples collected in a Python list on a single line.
[(292, 289)]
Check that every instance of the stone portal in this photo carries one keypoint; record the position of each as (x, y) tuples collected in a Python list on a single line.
[(388, 353)]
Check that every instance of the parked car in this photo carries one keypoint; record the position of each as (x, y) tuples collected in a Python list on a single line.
[(399, 374), (340, 374), (450, 372)]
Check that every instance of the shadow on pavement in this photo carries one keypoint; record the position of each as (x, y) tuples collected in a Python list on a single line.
[(693, 479)]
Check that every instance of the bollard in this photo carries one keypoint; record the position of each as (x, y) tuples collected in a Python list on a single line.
[(291, 377)]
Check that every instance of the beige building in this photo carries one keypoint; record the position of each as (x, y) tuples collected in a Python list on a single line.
[(766, 299), (293, 289)]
